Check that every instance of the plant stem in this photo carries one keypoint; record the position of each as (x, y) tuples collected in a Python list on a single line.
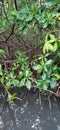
[(53, 93), (9, 94)]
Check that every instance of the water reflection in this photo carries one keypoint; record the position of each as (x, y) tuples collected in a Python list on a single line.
[(29, 115)]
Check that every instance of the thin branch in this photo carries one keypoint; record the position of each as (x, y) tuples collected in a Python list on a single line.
[(49, 100), (36, 47), (18, 98), (7, 61), (53, 93), (15, 4), (21, 40), (9, 94), (12, 31)]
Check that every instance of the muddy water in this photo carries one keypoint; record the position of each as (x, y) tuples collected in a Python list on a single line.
[(28, 114)]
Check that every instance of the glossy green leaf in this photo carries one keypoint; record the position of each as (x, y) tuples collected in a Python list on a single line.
[(28, 84), (15, 82), (20, 75), (48, 62), (11, 98), (45, 86), (37, 67), (56, 75), (8, 85), (47, 47), (37, 16), (22, 82), (41, 86), (2, 52), (29, 18), (55, 46), (51, 39), (33, 8), (53, 83)]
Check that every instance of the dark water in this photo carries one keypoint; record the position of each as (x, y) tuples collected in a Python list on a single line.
[(28, 114)]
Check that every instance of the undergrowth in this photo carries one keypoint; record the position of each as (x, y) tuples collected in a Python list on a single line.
[(33, 25)]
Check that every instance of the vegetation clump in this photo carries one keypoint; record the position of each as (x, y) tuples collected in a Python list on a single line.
[(30, 25)]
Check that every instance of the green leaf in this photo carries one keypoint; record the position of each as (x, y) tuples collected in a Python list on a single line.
[(41, 86), (8, 85), (17, 53), (11, 98), (53, 83), (38, 68), (14, 13), (2, 52), (49, 62), (33, 8), (11, 75), (50, 38), (50, 47), (28, 84), (45, 24), (56, 75), (20, 75), (22, 82), (47, 47), (24, 11), (22, 26), (3, 24), (44, 76), (55, 46), (15, 82), (58, 16), (45, 86), (29, 18), (37, 16), (27, 73)]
